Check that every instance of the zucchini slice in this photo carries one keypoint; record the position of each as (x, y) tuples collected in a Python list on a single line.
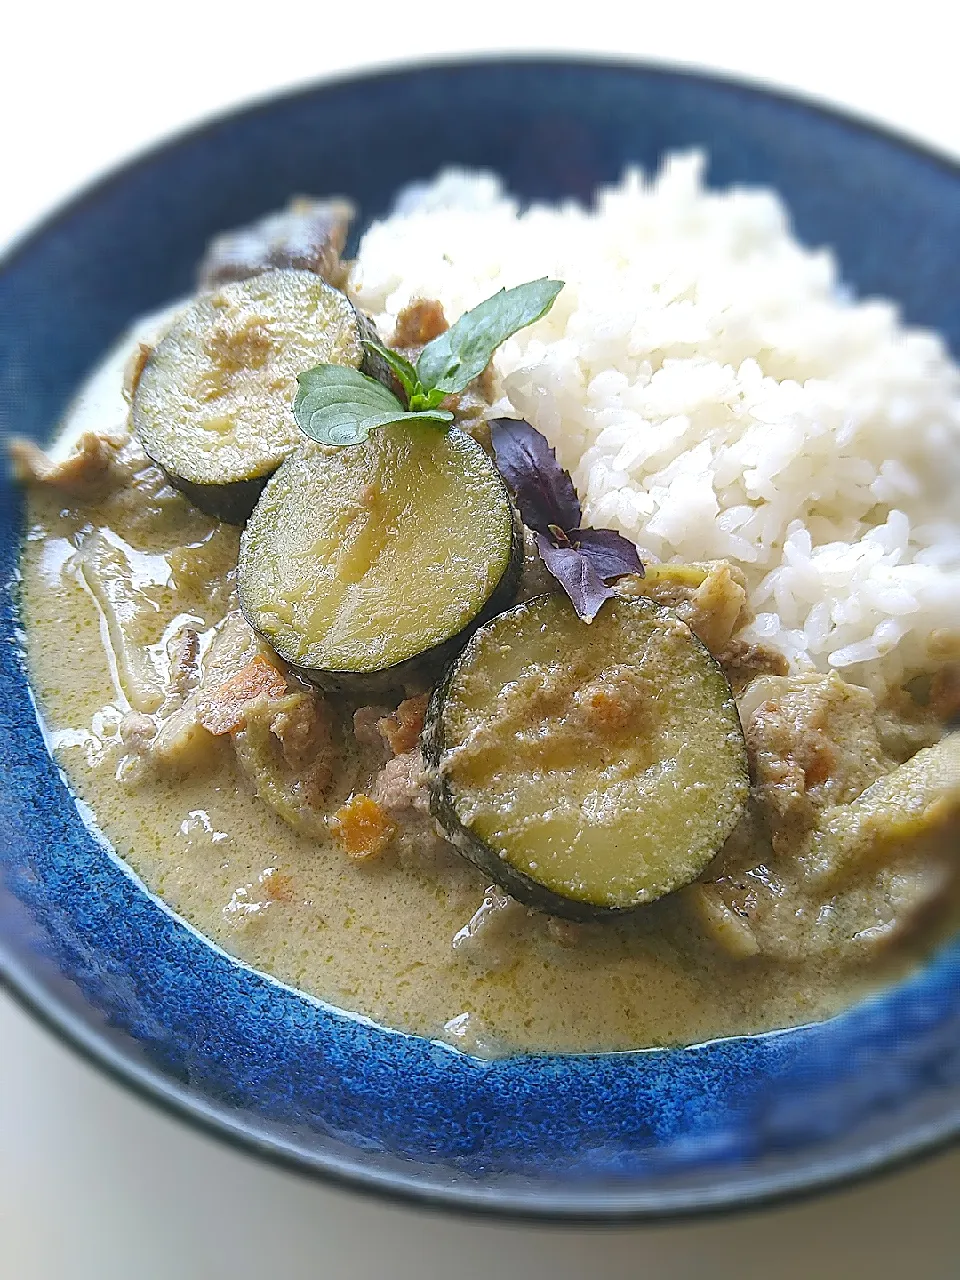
[(587, 769), (214, 403), (361, 565)]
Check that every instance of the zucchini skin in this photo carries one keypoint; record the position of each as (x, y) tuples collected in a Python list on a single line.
[(228, 503), (416, 674), (475, 849)]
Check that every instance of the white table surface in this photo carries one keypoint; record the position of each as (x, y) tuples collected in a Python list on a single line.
[(94, 1184)]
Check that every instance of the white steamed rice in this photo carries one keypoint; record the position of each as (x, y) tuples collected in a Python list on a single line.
[(716, 393)]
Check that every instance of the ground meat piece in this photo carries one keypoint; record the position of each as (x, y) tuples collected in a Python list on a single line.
[(297, 727), (137, 731), (402, 784), (400, 788), (812, 741), (418, 323), (303, 726), (486, 940), (92, 469), (401, 731), (366, 725), (309, 235), (742, 663), (285, 746)]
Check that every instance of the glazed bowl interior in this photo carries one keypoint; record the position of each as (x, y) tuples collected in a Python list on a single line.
[(107, 964)]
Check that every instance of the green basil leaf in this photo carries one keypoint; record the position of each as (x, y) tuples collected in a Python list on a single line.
[(402, 367), (458, 356), (334, 402)]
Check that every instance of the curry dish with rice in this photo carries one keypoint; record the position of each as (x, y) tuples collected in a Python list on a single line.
[(359, 694)]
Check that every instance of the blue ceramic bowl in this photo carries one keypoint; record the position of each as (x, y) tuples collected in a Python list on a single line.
[(108, 965)]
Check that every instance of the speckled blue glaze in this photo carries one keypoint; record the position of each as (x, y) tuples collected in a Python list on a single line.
[(104, 962)]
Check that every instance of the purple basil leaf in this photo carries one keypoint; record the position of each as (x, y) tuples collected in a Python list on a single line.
[(576, 575), (543, 491), (610, 554)]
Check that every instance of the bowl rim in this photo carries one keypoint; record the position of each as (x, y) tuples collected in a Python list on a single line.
[(767, 1191), (29, 991), (23, 239)]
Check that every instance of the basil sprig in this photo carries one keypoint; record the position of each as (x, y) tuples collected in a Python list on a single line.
[(339, 405)]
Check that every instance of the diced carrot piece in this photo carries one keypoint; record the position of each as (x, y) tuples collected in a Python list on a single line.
[(225, 709), (363, 827)]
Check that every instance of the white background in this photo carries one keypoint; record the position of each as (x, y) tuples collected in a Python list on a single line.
[(94, 1185)]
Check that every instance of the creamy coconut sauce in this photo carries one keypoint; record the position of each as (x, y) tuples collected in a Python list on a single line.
[(371, 937)]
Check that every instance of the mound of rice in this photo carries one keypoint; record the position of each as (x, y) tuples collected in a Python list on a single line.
[(716, 393)]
